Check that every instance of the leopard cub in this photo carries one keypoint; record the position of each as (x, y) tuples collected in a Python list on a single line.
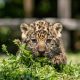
[(44, 39)]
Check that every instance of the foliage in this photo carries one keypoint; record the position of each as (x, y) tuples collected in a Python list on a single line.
[(25, 67), (4, 33)]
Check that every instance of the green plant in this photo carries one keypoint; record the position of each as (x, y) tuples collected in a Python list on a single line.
[(25, 67)]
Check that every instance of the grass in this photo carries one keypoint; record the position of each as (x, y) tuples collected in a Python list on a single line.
[(74, 58), (25, 67)]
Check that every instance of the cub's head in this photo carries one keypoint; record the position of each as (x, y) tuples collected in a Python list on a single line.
[(41, 36)]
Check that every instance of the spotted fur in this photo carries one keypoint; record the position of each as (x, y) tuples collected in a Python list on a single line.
[(44, 39)]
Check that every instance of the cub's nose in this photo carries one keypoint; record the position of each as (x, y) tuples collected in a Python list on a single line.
[(41, 49)]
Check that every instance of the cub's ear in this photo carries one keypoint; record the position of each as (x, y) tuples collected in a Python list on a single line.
[(24, 27), (58, 28)]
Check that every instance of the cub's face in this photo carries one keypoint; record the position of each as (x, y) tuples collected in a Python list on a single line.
[(41, 37)]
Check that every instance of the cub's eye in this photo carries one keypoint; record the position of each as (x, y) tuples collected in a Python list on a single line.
[(48, 40), (34, 40)]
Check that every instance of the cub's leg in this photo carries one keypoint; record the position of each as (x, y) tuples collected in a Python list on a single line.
[(59, 59)]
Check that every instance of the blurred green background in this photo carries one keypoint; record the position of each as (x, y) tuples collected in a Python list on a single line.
[(34, 9), (42, 8)]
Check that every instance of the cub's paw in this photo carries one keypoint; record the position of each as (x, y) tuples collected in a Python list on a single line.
[(59, 61)]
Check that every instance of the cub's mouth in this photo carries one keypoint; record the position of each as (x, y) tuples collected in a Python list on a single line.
[(41, 53)]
